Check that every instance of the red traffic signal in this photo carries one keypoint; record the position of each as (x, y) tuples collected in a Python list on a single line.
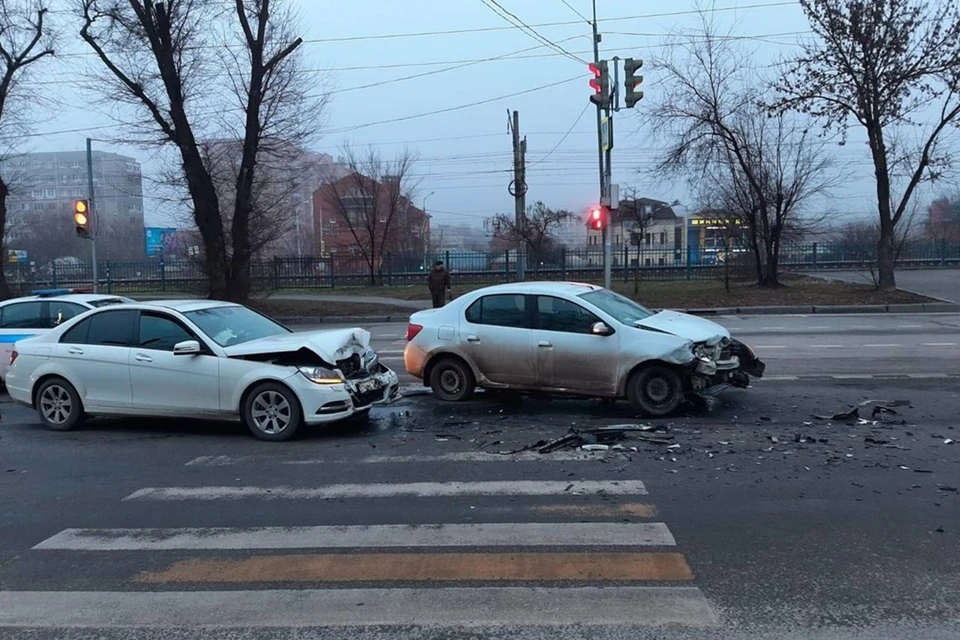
[(600, 82), (596, 218)]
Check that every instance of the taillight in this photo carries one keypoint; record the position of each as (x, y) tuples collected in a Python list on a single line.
[(413, 330), (13, 357)]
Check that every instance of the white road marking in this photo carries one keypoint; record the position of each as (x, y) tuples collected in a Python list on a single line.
[(393, 358), (939, 344), (852, 376), (500, 534), (774, 328), (779, 378), (820, 327), (864, 326), (881, 345), (271, 608), (825, 346), (391, 490), (910, 326), (461, 456), (927, 376), (383, 351)]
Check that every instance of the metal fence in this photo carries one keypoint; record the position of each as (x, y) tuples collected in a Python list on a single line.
[(468, 267)]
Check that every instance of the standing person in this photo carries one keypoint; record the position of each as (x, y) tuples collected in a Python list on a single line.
[(439, 283)]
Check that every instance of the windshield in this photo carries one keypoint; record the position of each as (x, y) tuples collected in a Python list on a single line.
[(234, 325), (621, 308)]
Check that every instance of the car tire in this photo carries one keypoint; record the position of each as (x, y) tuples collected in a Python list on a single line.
[(452, 380), (58, 405), (655, 390), (272, 412)]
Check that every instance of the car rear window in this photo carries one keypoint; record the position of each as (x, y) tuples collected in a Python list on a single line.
[(112, 328), (503, 310)]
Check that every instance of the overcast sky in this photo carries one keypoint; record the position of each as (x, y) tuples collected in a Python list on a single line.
[(465, 153)]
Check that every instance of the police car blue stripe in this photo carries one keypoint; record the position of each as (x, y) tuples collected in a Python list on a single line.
[(13, 337)]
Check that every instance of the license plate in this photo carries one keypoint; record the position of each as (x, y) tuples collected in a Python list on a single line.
[(368, 385)]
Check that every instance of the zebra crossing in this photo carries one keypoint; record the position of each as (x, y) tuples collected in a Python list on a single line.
[(531, 553)]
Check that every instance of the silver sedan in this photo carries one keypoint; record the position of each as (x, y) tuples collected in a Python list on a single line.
[(573, 338)]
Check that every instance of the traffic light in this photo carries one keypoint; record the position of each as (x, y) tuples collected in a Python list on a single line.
[(600, 83), (632, 81), (596, 218), (81, 217)]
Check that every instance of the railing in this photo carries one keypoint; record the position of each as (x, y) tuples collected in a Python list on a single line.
[(469, 267)]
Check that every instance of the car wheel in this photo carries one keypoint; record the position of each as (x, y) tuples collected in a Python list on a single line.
[(655, 390), (58, 405), (452, 380), (272, 412)]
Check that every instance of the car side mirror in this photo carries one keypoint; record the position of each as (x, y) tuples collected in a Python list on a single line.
[(600, 329), (186, 348)]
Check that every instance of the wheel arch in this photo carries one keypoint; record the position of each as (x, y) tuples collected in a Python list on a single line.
[(245, 394), (443, 355), (625, 380), (35, 389)]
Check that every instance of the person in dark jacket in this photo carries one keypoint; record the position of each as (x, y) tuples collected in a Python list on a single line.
[(439, 284)]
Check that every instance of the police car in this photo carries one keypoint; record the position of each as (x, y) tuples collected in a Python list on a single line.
[(22, 318)]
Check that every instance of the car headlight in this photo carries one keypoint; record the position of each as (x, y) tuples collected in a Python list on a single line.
[(699, 351), (321, 375), (370, 359)]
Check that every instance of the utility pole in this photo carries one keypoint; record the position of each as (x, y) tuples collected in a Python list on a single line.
[(94, 218), (518, 188)]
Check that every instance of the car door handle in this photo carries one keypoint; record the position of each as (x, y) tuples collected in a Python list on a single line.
[(544, 344), (142, 357), (472, 338), (76, 351)]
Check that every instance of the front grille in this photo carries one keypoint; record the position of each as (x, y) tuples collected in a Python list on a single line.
[(368, 397)]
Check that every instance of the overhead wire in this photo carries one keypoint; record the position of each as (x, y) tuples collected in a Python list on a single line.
[(512, 18)]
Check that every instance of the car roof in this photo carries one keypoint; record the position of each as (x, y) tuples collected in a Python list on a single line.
[(83, 298), (545, 287), (184, 306)]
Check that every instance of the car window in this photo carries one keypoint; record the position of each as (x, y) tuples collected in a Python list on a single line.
[(234, 324), (504, 310), (556, 314), (112, 328), (161, 332), (60, 311), (23, 315), (77, 334), (619, 307)]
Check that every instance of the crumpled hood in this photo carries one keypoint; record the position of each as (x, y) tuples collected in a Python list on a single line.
[(686, 326), (330, 344)]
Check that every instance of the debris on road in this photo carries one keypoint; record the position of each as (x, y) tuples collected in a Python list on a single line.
[(599, 439)]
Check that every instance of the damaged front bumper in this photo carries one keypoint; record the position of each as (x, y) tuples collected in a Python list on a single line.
[(713, 376), (330, 403)]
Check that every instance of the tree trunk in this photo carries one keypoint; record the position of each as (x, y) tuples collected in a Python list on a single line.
[(886, 259), (4, 191)]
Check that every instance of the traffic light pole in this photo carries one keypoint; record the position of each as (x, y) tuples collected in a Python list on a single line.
[(605, 231), (93, 217)]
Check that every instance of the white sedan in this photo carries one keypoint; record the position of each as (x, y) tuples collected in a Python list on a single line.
[(197, 359)]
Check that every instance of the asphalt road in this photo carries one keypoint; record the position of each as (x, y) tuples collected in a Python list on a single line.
[(749, 518), (943, 284)]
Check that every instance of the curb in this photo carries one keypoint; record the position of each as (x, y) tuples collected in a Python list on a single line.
[(924, 307)]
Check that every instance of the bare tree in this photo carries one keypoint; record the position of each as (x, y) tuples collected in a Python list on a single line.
[(942, 225), (372, 198), (167, 59), (534, 233), (715, 126), (885, 65), (25, 39)]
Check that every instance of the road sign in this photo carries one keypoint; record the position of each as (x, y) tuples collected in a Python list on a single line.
[(17, 256), (605, 134)]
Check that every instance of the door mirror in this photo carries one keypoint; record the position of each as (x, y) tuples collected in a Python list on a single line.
[(186, 348), (601, 329)]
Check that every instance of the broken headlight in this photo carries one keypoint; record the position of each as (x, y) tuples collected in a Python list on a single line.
[(321, 375), (700, 351)]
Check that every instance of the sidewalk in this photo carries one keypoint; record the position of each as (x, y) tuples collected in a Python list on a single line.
[(413, 305), (942, 284)]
